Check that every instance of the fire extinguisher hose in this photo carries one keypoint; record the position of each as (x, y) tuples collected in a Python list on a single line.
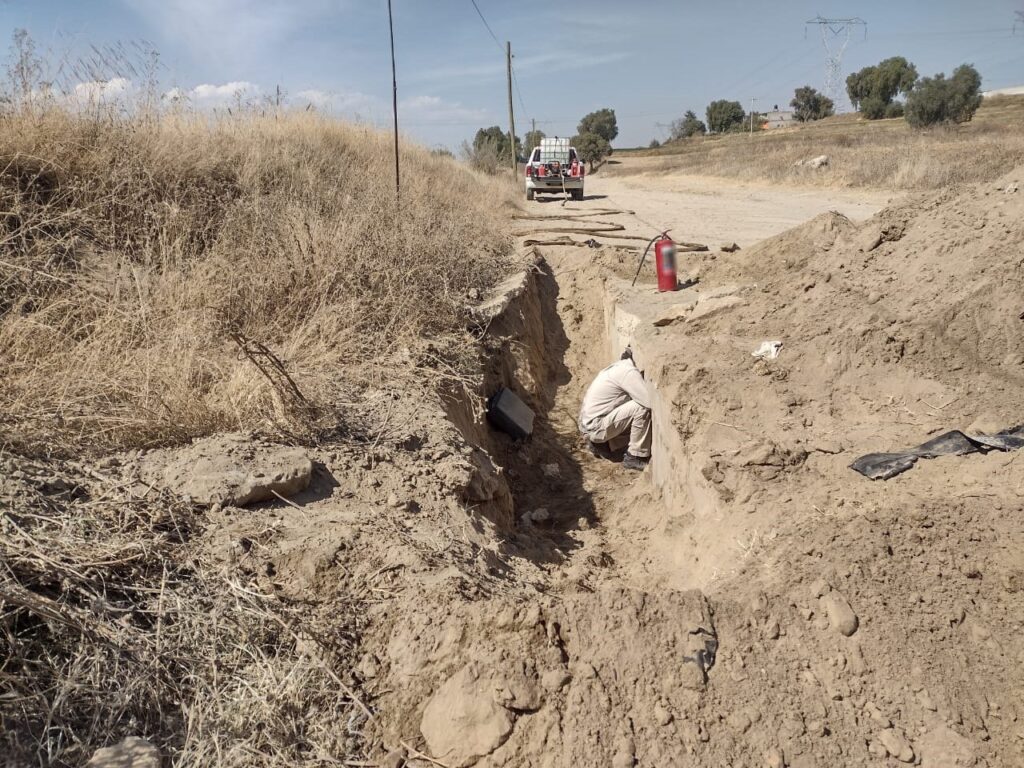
[(644, 256)]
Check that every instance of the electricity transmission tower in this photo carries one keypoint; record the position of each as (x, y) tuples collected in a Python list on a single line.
[(835, 36), (1019, 21)]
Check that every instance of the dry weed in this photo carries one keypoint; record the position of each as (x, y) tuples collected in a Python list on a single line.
[(111, 624), (884, 154), (134, 254)]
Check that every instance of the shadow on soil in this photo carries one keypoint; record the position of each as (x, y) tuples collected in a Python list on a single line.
[(544, 471)]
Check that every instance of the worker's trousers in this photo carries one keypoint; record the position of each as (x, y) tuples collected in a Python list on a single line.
[(611, 428)]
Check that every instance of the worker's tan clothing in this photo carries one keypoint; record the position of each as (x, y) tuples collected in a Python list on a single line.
[(617, 401)]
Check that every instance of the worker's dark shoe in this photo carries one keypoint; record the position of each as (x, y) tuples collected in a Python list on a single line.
[(599, 450), (635, 463)]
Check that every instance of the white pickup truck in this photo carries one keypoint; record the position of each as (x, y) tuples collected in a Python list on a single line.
[(554, 168)]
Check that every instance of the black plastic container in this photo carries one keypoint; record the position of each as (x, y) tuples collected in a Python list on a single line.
[(507, 413)]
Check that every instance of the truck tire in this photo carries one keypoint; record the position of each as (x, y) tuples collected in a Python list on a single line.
[(577, 194), (529, 194)]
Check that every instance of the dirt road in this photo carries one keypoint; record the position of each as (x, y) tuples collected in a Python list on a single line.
[(713, 210)]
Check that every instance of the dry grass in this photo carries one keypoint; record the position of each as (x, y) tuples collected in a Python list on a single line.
[(138, 257), (112, 624), (883, 154), (168, 277)]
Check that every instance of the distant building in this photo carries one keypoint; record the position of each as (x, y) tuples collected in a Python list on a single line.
[(778, 118)]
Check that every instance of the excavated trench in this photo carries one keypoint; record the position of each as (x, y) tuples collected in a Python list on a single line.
[(548, 331), (594, 661)]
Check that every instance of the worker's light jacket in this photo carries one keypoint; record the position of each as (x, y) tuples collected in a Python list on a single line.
[(619, 382)]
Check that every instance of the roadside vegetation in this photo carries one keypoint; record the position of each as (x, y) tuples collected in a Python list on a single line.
[(167, 274), (886, 154), (490, 150)]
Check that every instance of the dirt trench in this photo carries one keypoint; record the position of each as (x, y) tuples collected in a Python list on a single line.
[(592, 665)]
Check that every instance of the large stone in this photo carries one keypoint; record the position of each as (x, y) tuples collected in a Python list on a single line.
[(463, 721), (229, 469), (132, 752)]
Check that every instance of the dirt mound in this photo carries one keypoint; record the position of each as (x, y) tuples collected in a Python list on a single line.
[(862, 619), (584, 678)]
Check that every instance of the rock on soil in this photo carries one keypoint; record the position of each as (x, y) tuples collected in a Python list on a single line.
[(463, 721), (133, 752), (840, 615), (230, 470)]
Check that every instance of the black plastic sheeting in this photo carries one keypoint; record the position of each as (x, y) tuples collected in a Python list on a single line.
[(882, 466)]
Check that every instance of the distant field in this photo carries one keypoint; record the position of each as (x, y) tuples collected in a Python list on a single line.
[(862, 153)]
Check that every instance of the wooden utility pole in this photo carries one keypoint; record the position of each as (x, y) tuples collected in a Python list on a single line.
[(511, 116), (394, 96)]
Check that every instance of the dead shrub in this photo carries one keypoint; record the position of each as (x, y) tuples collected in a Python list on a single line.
[(131, 251)]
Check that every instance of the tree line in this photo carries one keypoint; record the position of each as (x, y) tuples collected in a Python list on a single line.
[(593, 142), (873, 92)]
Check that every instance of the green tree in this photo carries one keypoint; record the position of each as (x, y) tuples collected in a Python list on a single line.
[(532, 140), (808, 104), (935, 100), (654, 144), (602, 122), (688, 125), (725, 115), (490, 149), (592, 148), (872, 89), (494, 137)]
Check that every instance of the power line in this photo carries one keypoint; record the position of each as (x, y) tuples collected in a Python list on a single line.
[(515, 81), (481, 15)]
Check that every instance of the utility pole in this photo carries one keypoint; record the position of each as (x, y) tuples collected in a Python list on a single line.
[(835, 36), (511, 116), (394, 97), (752, 101)]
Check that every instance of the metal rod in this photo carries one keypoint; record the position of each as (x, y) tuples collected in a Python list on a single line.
[(394, 99)]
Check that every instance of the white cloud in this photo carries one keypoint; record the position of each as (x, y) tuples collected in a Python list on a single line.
[(209, 96), (95, 91), (225, 94), (230, 33), (426, 109), (553, 61), (341, 102)]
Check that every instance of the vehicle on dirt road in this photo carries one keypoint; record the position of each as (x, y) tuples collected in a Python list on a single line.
[(554, 168)]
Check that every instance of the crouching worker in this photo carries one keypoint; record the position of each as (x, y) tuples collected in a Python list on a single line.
[(616, 413)]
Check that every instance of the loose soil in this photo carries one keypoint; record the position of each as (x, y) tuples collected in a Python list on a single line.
[(747, 600)]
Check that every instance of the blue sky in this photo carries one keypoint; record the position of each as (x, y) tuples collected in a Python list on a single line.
[(648, 59)]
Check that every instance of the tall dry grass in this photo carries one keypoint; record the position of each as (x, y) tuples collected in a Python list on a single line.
[(167, 277), (163, 277), (884, 154)]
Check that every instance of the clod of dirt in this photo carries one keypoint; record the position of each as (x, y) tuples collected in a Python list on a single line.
[(896, 744), (840, 615), (463, 721), (132, 752), (942, 747), (229, 470)]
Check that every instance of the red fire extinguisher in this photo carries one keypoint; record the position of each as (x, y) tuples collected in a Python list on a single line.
[(665, 263)]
